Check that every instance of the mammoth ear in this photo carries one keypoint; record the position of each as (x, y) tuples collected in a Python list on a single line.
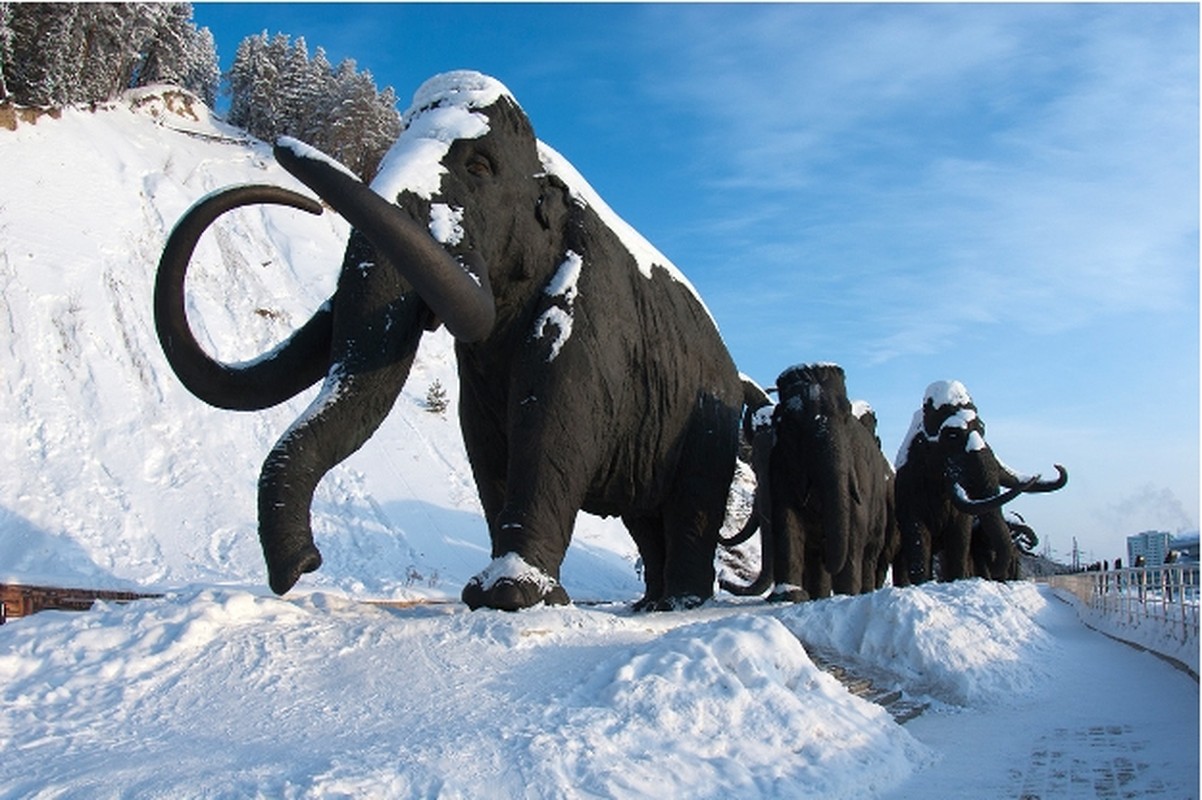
[(551, 209)]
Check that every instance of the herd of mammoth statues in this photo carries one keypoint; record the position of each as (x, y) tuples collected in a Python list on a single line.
[(592, 378)]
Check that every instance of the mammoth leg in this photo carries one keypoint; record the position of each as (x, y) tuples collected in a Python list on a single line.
[(914, 555), (696, 507), (648, 535), (956, 561), (789, 557), (377, 327)]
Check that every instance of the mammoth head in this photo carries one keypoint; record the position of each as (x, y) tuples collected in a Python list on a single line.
[(467, 165), (814, 389), (975, 476), (462, 180)]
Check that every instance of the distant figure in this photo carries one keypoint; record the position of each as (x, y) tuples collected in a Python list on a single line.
[(1170, 575)]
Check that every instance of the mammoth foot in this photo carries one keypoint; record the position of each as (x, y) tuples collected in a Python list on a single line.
[(285, 569), (509, 583), (674, 603), (787, 593)]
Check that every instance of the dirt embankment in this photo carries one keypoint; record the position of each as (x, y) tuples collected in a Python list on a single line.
[(11, 114)]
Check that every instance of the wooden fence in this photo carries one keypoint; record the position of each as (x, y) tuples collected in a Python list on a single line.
[(20, 600)]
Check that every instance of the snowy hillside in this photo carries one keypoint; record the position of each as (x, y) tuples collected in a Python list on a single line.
[(112, 475), (110, 472)]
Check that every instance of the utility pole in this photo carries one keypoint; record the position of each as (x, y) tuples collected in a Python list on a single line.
[(1076, 555)]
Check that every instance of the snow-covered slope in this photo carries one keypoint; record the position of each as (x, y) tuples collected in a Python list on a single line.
[(111, 474)]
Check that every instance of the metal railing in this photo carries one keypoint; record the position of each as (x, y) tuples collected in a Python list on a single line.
[(1168, 594)]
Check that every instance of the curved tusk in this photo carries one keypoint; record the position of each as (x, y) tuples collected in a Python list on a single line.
[(1049, 486), (458, 293), (968, 505), (295, 365)]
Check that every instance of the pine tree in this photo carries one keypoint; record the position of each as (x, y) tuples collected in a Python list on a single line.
[(62, 53), (436, 398), (6, 46), (276, 89), (252, 80)]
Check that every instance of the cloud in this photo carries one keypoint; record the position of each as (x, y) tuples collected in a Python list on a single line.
[(1046, 157), (1149, 508)]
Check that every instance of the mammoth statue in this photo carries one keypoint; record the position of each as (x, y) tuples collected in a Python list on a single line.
[(950, 482), (829, 506), (592, 376)]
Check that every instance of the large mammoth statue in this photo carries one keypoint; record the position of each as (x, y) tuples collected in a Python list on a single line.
[(592, 376), (950, 482), (830, 504)]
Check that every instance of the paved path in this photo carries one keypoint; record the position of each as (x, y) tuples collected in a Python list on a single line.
[(1124, 724)]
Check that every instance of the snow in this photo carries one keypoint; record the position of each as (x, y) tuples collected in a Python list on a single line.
[(563, 284), (113, 476), (442, 111), (513, 567), (947, 393), (446, 223), (302, 150)]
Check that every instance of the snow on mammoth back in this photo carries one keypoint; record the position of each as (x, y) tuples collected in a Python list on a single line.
[(447, 108)]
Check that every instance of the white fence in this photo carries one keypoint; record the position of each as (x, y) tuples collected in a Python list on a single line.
[(1156, 607)]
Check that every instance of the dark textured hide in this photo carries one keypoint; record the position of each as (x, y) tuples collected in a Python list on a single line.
[(946, 449), (614, 395), (1022, 541), (830, 488)]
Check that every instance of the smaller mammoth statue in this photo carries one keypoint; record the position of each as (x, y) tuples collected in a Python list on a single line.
[(950, 489), (826, 518)]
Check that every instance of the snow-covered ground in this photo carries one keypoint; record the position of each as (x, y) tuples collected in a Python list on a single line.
[(228, 693), (113, 476)]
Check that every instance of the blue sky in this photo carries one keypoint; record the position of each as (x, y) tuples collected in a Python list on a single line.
[(1006, 195)]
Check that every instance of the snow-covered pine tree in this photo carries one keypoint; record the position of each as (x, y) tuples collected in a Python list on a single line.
[(61, 53), (40, 71), (6, 46), (177, 52), (276, 89)]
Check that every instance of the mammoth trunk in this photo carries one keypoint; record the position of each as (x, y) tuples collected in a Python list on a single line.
[(836, 487), (457, 291), (991, 547)]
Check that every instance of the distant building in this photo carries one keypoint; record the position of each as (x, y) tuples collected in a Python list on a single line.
[(1185, 545), (1152, 545)]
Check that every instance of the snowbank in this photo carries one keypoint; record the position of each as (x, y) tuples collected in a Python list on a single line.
[(967, 643)]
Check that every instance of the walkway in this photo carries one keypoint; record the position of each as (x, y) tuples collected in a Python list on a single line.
[(1124, 724)]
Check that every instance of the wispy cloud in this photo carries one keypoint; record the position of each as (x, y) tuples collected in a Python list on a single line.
[(1043, 156)]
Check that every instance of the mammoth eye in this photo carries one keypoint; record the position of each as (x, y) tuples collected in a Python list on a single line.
[(479, 165)]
